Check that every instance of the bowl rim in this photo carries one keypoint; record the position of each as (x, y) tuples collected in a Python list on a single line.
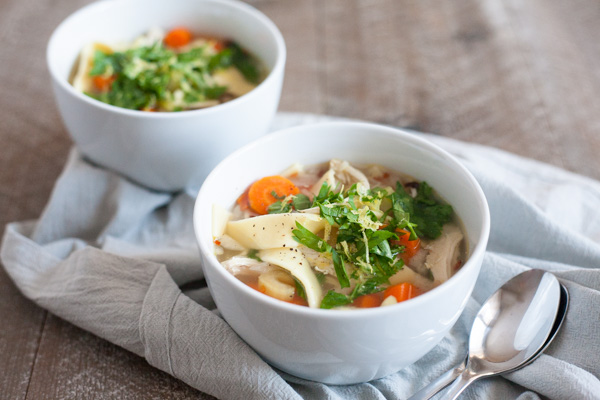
[(476, 253), (234, 4)]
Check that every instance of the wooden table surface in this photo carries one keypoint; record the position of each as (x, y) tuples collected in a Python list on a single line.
[(518, 75)]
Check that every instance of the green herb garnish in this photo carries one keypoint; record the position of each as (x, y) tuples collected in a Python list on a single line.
[(156, 77), (297, 202), (367, 247), (334, 299), (312, 241), (244, 63), (301, 202), (253, 253), (300, 289), (430, 215)]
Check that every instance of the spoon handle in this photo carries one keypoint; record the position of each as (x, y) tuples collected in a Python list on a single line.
[(465, 379), (438, 384)]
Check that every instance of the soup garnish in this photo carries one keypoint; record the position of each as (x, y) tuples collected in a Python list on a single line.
[(175, 71), (339, 236)]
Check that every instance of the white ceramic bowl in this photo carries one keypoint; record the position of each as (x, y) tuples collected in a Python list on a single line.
[(165, 151), (335, 346)]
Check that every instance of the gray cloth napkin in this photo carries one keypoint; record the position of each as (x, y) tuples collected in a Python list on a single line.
[(110, 257)]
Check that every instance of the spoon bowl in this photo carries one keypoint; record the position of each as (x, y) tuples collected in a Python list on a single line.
[(514, 322), (512, 328)]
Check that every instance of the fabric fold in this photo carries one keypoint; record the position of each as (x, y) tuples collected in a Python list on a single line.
[(195, 345), (155, 318), (97, 291)]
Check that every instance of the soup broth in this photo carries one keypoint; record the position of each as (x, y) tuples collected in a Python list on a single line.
[(339, 236), (166, 71)]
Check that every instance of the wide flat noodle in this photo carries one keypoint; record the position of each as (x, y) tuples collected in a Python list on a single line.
[(294, 261), (236, 84), (272, 230), (220, 217), (82, 81)]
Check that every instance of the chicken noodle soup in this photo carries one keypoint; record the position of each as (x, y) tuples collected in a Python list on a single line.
[(337, 235), (173, 71)]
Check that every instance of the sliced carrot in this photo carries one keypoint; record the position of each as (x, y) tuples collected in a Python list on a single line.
[(260, 195), (254, 285), (368, 300), (252, 281), (178, 37), (103, 83), (218, 45), (298, 300), (402, 291), (243, 201), (456, 266), (411, 247)]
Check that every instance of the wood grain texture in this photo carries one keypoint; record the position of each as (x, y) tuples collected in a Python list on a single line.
[(33, 147), (22, 325), (518, 75), (507, 74), (74, 364), (297, 21)]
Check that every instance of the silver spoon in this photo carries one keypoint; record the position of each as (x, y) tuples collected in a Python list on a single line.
[(444, 380), (512, 329)]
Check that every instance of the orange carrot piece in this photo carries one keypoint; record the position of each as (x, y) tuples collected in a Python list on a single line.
[(457, 266), (252, 281), (260, 195), (368, 300), (402, 291), (103, 83), (243, 201), (411, 247), (254, 285), (178, 37), (218, 45), (298, 300)]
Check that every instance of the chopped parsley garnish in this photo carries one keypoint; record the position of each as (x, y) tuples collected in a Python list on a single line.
[(334, 299), (253, 253), (430, 215), (366, 248), (300, 289), (312, 241), (279, 207), (301, 202), (244, 63), (156, 77), (283, 205)]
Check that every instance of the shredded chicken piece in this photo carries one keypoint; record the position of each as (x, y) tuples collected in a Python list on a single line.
[(328, 177), (410, 276), (229, 243), (417, 262), (444, 253), (376, 171), (389, 301), (341, 172), (293, 170), (236, 265), (318, 260)]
